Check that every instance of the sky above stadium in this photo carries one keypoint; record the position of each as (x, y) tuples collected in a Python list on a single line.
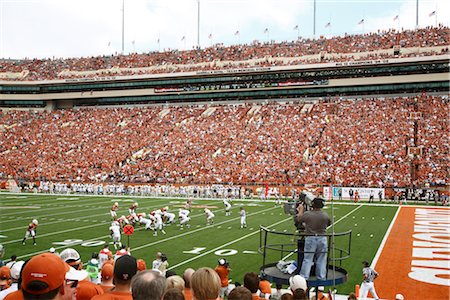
[(74, 28)]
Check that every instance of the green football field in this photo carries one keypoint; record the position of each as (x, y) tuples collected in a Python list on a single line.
[(82, 222)]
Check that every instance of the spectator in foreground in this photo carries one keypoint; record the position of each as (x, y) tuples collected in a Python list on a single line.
[(223, 269), (175, 282), (107, 275), (352, 296), (125, 268), (205, 284), (5, 278), (141, 265), (148, 285), (173, 294), (41, 282), (265, 288), (15, 273), (251, 282), (297, 282), (240, 293), (287, 296), (86, 290), (187, 276)]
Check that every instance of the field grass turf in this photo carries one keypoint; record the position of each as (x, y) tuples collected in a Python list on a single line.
[(82, 222)]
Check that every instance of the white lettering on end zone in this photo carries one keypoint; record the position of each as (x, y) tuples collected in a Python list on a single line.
[(431, 247)]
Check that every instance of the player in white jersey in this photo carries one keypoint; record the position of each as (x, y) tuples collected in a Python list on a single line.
[(243, 216), (227, 207), (183, 215), (209, 217), (158, 222), (113, 211), (188, 204), (115, 233), (170, 217), (144, 221), (367, 285)]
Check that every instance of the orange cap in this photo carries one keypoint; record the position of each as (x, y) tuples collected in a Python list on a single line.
[(86, 290), (47, 268), (107, 271), (5, 273), (141, 265), (264, 287)]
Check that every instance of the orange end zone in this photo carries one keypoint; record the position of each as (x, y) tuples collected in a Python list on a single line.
[(415, 260)]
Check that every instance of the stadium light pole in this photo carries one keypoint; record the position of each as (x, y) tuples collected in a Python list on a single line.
[(314, 20), (417, 14), (198, 24), (123, 26)]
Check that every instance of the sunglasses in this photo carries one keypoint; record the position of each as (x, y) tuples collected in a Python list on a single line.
[(73, 283)]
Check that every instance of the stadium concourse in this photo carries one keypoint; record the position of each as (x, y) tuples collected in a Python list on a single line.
[(420, 42), (350, 142)]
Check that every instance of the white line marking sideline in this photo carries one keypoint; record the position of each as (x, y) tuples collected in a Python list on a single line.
[(383, 242)]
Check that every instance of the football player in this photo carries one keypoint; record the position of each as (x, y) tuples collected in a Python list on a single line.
[(183, 215), (209, 216), (31, 231), (115, 234), (144, 221), (188, 204), (113, 211), (132, 211), (169, 217), (243, 216), (158, 222), (227, 207)]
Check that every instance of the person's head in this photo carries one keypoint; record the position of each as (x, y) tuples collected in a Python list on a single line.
[(86, 290), (148, 285), (205, 284), (299, 294), (175, 282), (39, 281), (317, 203), (141, 265), (399, 297), (251, 281), (72, 258), (107, 273), (297, 282), (365, 264), (125, 268), (13, 257), (287, 296), (265, 288), (170, 273), (240, 293), (352, 296), (187, 275), (173, 294)]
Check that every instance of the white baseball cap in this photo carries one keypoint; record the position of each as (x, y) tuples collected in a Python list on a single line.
[(16, 268), (69, 254), (74, 274), (399, 297), (297, 282)]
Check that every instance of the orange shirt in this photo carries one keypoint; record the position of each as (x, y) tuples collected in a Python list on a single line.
[(223, 271), (17, 295), (187, 294), (106, 288), (114, 296)]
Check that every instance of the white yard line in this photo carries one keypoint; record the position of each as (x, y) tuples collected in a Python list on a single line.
[(383, 242), (148, 245), (225, 245)]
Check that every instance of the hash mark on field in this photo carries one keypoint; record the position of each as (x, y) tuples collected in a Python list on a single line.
[(251, 228), (219, 227), (229, 228), (198, 225)]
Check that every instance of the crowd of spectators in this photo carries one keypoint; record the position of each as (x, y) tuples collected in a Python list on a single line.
[(236, 56), (352, 142), (122, 276)]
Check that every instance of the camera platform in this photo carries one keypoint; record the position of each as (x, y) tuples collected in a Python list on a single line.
[(272, 274)]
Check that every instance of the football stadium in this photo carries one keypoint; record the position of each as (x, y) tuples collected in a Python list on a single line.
[(253, 166)]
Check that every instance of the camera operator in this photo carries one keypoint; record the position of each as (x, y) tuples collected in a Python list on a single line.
[(315, 222), (223, 270)]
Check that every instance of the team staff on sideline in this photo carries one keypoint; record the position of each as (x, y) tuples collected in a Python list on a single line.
[(367, 285)]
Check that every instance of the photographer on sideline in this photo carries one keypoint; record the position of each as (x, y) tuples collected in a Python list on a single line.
[(223, 269), (315, 222)]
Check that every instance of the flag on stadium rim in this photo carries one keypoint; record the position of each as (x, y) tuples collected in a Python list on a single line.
[(296, 27), (237, 32), (361, 22), (210, 36), (183, 38), (396, 18), (328, 25), (266, 30), (433, 13)]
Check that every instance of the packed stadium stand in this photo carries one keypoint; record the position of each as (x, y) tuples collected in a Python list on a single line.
[(358, 110), (421, 42)]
